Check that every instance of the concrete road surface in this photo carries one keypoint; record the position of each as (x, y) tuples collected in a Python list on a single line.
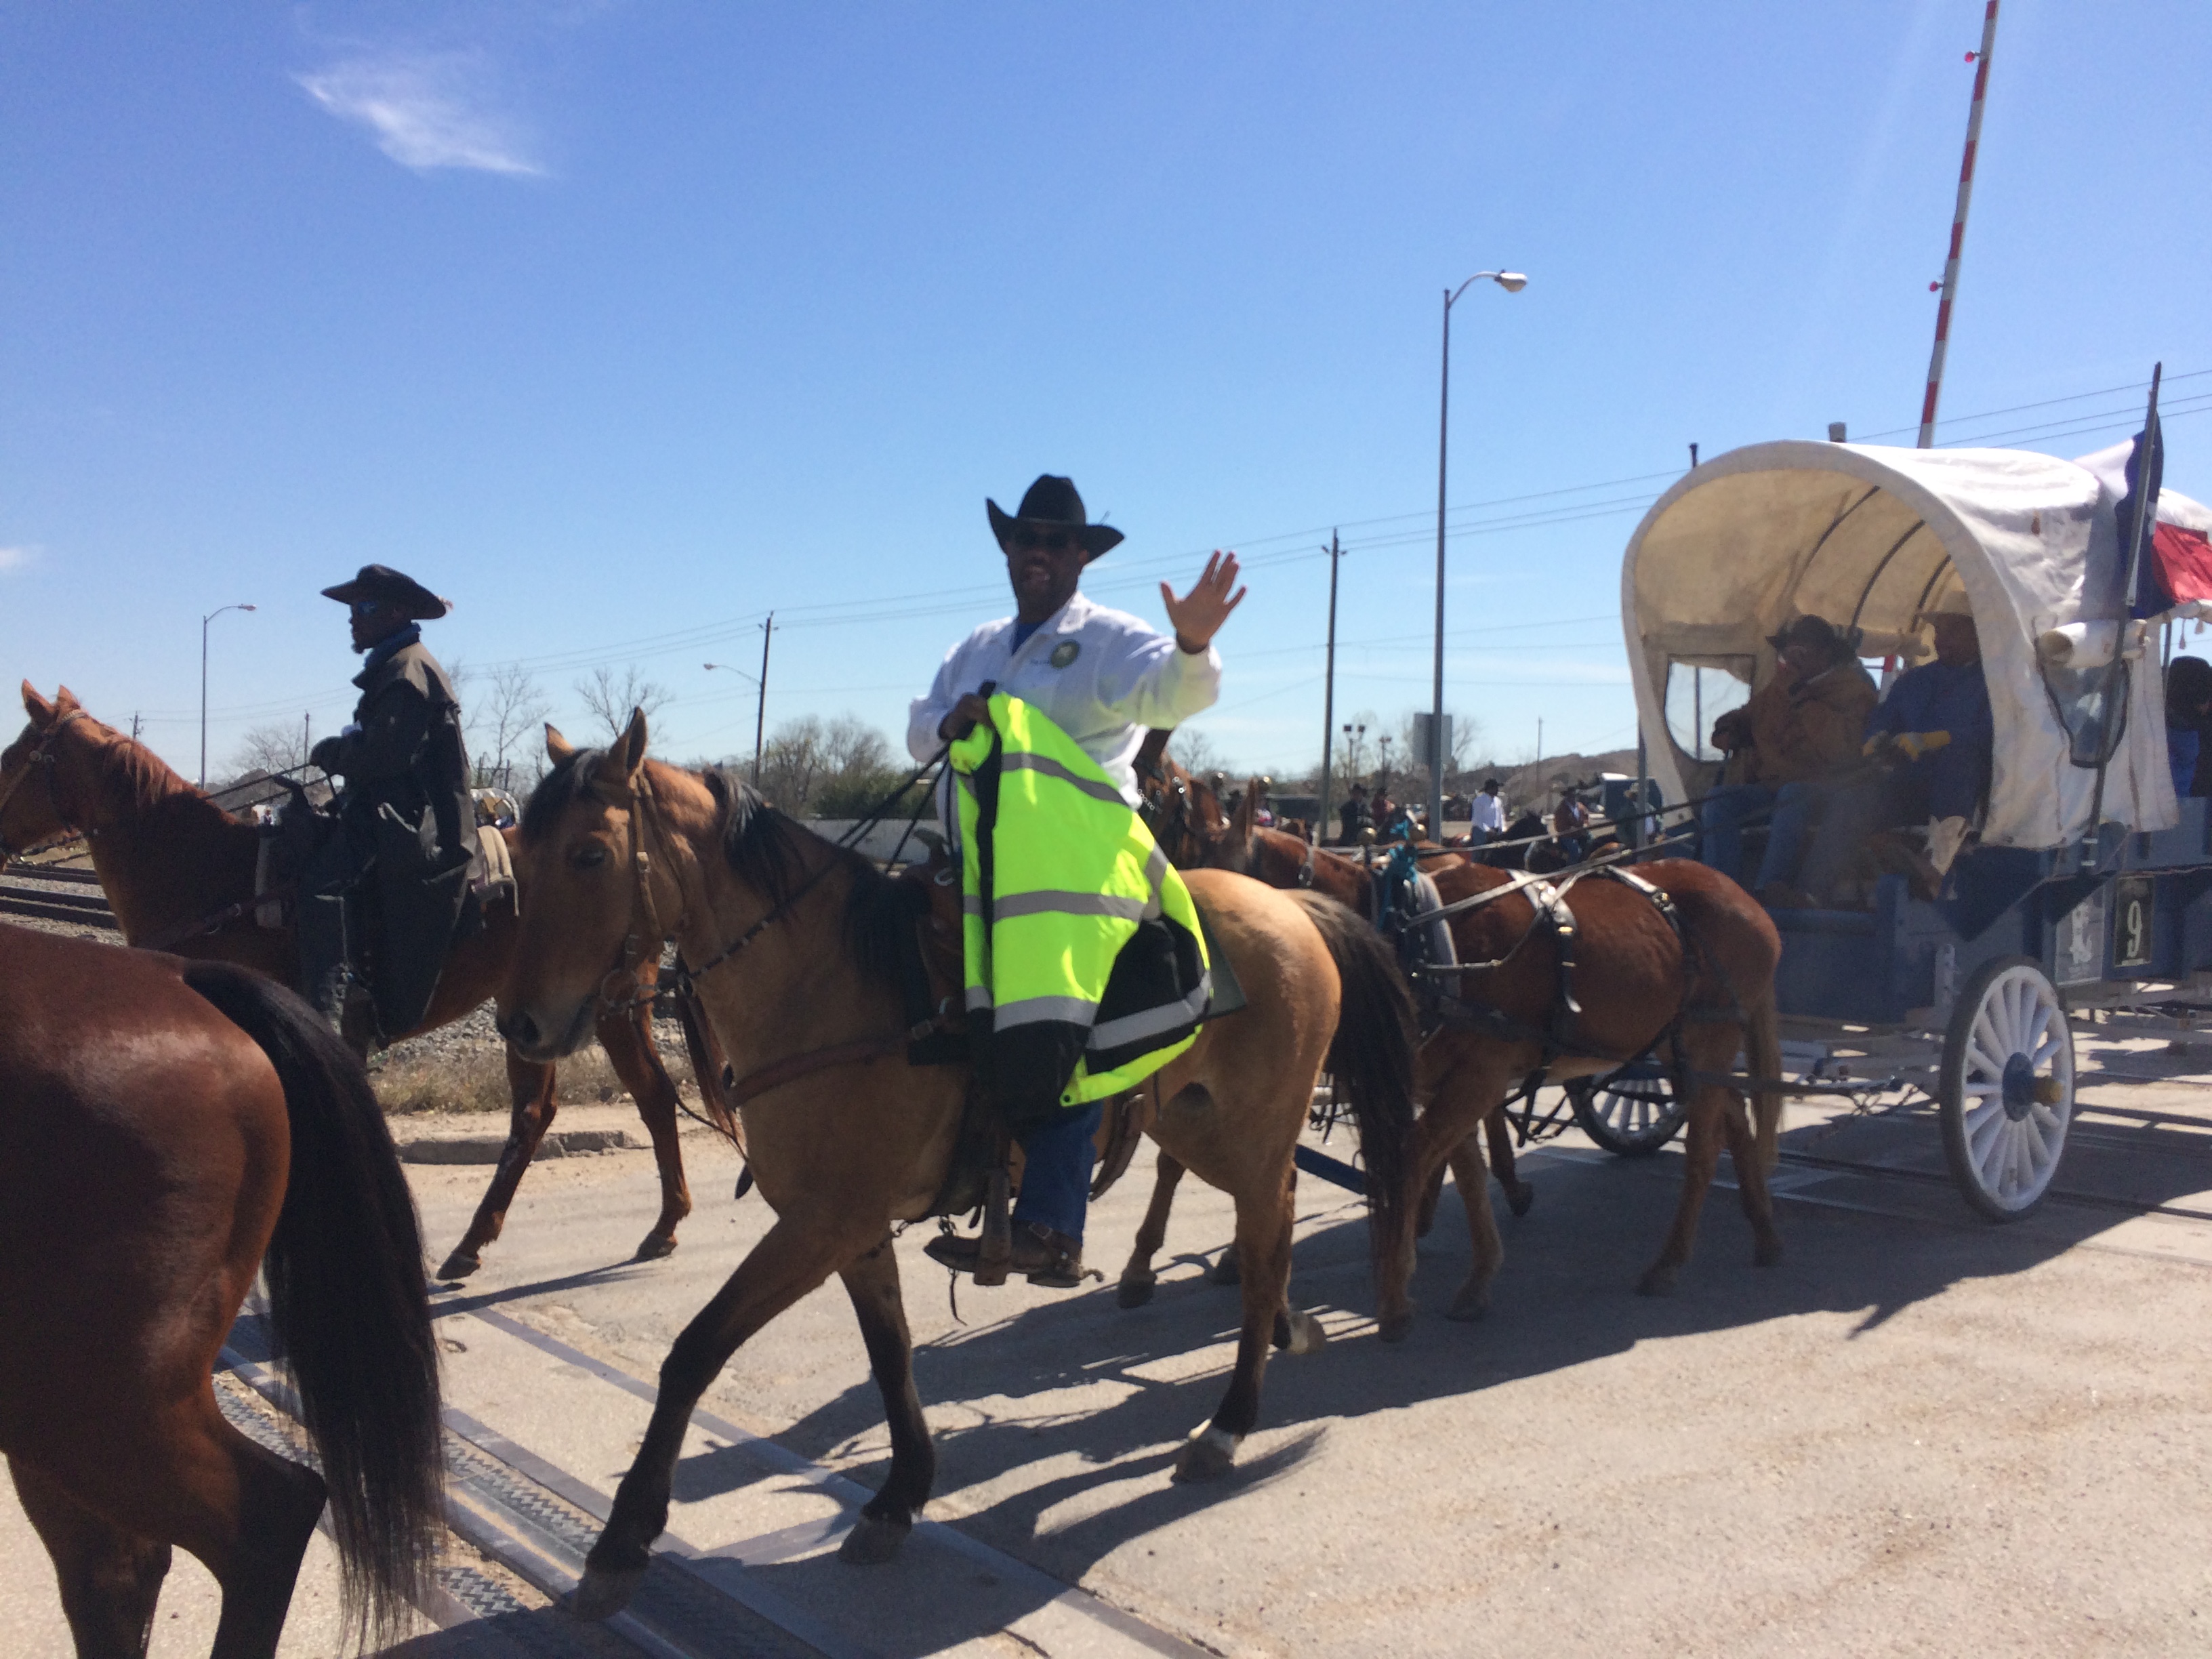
[(1919, 1434)]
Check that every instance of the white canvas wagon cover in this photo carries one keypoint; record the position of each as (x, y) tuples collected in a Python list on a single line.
[(1869, 535)]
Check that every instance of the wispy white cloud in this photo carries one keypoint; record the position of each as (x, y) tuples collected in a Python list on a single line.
[(426, 111), (15, 558)]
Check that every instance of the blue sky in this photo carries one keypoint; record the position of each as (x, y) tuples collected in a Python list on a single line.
[(624, 324)]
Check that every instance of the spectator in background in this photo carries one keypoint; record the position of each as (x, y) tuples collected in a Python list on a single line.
[(2188, 717), (1355, 816), (1488, 811)]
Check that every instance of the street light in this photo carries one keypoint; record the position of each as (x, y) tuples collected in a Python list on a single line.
[(760, 711), (204, 620), (1512, 282)]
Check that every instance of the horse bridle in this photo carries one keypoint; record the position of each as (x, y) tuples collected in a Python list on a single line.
[(41, 756)]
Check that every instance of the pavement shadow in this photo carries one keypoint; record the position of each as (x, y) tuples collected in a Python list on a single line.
[(1565, 1298)]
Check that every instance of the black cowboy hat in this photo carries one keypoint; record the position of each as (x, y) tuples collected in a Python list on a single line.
[(380, 584), (1838, 643), (1051, 502)]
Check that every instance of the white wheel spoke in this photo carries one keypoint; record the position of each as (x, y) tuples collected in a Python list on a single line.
[(2041, 1057), (1984, 1061), (1982, 1042), (1982, 1091)]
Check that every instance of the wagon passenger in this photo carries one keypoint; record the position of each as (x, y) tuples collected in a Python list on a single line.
[(2188, 718), (1102, 677), (1798, 731), (1932, 737)]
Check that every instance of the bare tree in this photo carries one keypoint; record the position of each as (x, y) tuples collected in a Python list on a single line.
[(1196, 752), (503, 726), (611, 698), (837, 768), (273, 748)]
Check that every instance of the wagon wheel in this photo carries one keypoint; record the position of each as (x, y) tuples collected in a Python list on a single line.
[(2007, 1092), (1631, 1113)]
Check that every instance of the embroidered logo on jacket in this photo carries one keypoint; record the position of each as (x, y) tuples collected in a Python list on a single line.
[(1065, 653)]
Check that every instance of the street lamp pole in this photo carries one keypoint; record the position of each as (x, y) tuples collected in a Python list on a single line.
[(1512, 282), (760, 709), (204, 620)]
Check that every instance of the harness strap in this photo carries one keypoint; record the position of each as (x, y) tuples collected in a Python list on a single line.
[(792, 1067)]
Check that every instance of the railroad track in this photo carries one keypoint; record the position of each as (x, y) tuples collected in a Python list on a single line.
[(50, 893)]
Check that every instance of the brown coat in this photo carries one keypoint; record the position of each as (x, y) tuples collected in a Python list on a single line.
[(1801, 730)]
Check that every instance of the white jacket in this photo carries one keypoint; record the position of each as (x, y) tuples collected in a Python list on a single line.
[(1101, 676)]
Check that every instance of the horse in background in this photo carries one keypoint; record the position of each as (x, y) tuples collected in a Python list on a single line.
[(180, 874), (168, 1129)]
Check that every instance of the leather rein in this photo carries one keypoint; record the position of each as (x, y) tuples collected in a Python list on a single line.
[(42, 755), (650, 937)]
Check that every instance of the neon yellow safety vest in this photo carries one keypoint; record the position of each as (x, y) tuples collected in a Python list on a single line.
[(1086, 966)]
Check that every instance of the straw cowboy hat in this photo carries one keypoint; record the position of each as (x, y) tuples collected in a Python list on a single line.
[(1950, 602), (379, 584), (1051, 503)]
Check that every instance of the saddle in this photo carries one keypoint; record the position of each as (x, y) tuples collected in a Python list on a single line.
[(985, 1169)]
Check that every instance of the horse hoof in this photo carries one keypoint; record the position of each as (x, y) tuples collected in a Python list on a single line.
[(1521, 1198), (1660, 1281), (459, 1265), (872, 1541), (602, 1593), (654, 1248), (1306, 1335), (1469, 1305), (1133, 1292), (1394, 1328), (1207, 1456), (1226, 1271)]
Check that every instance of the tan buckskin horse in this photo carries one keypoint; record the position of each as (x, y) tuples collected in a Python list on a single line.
[(180, 872), (1699, 993), (795, 944), (164, 1124)]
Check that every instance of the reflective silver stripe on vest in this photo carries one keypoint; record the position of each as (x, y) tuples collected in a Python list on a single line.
[(1156, 878), (1046, 901), (1024, 760), (1134, 1028), (1033, 1010)]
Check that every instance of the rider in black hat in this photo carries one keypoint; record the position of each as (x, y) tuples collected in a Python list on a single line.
[(405, 813)]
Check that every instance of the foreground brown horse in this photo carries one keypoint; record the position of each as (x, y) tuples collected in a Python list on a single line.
[(169, 858), (1701, 994), (796, 942), (162, 1124)]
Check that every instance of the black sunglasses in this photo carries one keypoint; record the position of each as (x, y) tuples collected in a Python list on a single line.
[(364, 609), (1059, 541)]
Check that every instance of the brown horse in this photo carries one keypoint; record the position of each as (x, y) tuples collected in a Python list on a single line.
[(796, 945), (162, 1125), (180, 872), (1699, 992)]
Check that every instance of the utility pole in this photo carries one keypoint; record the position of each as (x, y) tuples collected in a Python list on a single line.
[(1328, 696), (760, 715), (307, 735), (1949, 286), (135, 723)]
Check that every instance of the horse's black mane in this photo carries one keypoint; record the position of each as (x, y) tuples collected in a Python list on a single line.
[(762, 846)]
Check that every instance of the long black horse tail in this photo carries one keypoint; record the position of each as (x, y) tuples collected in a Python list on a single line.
[(348, 1303), (1371, 1058)]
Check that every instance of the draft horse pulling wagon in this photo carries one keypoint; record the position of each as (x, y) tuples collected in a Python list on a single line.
[(2084, 884)]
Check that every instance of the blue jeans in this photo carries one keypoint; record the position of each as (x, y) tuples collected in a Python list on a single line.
[(1727, 812), (1056, 1159), (1723, 816)]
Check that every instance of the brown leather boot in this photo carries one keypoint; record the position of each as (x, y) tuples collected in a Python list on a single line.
[(1047, 1258)]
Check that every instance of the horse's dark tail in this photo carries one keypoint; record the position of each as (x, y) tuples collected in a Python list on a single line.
[(347, 1302), (1371, 1058)]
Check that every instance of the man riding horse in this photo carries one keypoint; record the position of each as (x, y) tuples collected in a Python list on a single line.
[(1078, 685), (405, 817)]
